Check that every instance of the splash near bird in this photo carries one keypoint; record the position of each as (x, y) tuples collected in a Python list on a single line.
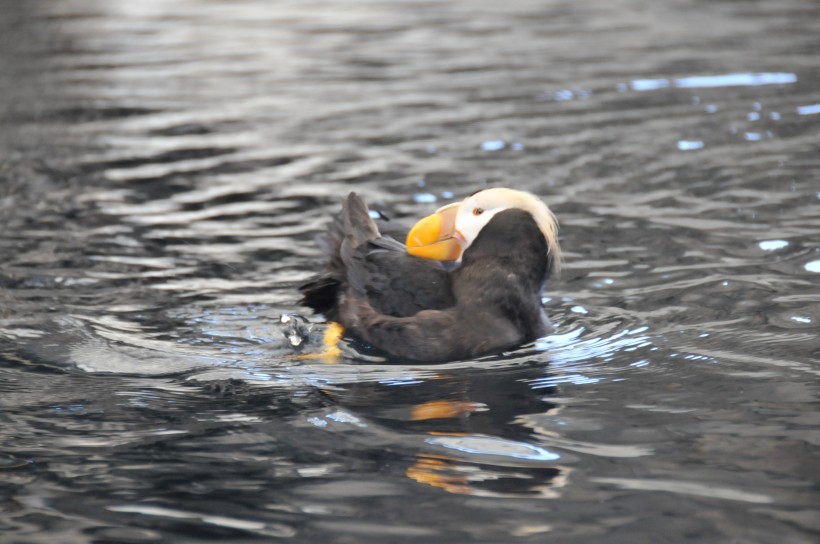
[(467, 282)]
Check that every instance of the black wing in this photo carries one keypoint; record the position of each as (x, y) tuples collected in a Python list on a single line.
[(377, 267)]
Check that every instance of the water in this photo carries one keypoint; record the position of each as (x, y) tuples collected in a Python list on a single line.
[(165, 167)]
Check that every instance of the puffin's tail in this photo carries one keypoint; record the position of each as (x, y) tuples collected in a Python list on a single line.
[(347, 231), (359, 230), (359, 226)]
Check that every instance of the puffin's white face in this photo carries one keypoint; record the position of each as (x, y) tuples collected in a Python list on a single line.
[(448, 232), (476, 211)]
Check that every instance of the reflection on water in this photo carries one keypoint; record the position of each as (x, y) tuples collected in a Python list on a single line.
[(166, 166), (725, 80)]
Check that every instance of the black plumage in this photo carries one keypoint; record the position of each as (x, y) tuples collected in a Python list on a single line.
[(417, 309), (375, 266)]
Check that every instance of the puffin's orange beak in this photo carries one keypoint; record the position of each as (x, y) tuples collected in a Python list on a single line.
[(435, 236)]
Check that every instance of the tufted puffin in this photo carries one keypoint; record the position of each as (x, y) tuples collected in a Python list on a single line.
[(467, 282)]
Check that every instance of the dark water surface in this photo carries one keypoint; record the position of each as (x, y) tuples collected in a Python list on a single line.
[(165, 167)]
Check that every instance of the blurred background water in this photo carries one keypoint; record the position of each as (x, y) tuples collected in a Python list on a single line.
[(164, 170)]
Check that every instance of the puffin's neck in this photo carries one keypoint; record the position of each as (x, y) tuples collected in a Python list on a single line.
[(505, 269), (513, 241)]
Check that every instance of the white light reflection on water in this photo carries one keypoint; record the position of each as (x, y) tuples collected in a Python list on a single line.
[(725, 80), (686, 488), (317, 422), (222, 521), (736, 80), (401, 381), (554, 381), (341, 416), (690, 145), (493, 145), (814, 109), (566, 348), (337, 416), (648, 84), (424, 198), (813, 266), (490, 445), (572, 360), (773, 245)]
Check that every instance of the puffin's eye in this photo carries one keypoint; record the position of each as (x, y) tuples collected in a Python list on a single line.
[(477, 211)]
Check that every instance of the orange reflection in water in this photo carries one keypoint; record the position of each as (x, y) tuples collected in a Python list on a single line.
[(463, 478), (442, 409)]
